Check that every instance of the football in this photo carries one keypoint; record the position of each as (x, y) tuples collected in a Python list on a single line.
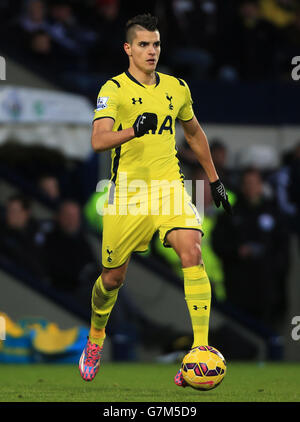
[(203, 368)]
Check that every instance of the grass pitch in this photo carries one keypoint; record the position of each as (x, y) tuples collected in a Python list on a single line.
[(118, 382)]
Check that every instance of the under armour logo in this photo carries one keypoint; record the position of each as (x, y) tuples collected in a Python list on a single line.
[(101, 316), (221, 191), (195, 307), (139, 100), (170, 99)]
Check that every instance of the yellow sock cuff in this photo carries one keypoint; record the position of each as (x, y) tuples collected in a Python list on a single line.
[(194, 273), (103, 302), (97, 333), (97, 336), (105, 292)]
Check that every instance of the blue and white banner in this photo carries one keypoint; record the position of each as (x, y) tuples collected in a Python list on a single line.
[(30, 105)]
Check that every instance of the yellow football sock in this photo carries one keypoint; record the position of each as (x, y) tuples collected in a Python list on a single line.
[(102, 304), (97, 336), (198, 297)]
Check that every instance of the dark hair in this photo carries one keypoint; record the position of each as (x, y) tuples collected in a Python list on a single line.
[(67, 201), (24, 201), (250, 170), (145, 21), (217, 144)]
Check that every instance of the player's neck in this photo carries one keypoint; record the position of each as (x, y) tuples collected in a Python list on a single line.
[(142, 77)]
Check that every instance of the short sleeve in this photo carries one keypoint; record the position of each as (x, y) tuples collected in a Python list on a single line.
[(107, 101), (186, 111)]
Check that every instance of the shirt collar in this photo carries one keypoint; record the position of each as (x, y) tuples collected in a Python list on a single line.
[(129, 75)]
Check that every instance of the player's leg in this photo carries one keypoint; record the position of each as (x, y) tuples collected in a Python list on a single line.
[(187, 244), (122, 235), (104, 296)]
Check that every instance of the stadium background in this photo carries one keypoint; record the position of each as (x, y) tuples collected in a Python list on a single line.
[(236, 58)]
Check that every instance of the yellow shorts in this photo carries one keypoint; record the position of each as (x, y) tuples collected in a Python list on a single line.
[(125, 234)]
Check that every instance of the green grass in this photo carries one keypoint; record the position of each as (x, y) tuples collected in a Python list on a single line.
[(146, 383)]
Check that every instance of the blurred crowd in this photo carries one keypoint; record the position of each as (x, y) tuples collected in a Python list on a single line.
[(210, 39), (247, 255), (55, 250)]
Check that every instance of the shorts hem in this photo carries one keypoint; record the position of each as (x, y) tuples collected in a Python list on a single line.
[(179, 228), (145, 250), (118, 266)]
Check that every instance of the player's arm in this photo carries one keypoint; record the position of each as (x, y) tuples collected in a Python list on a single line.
[(197, 140), (104, 138)]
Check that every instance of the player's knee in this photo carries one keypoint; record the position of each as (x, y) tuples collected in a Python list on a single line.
[(191, 257), (112, 280)]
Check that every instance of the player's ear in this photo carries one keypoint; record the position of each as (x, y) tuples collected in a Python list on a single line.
[(127, 48)]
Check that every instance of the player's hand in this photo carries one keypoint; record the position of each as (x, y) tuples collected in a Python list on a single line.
[(220, 196), (144, 123)]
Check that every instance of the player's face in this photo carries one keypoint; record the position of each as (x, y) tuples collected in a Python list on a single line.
[(252, 186), (144, 50), (16, 216)]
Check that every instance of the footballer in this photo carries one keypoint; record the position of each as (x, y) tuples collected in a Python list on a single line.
[(135, 119)]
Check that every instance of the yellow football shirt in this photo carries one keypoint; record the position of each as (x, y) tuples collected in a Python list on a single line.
[(152, 156)]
